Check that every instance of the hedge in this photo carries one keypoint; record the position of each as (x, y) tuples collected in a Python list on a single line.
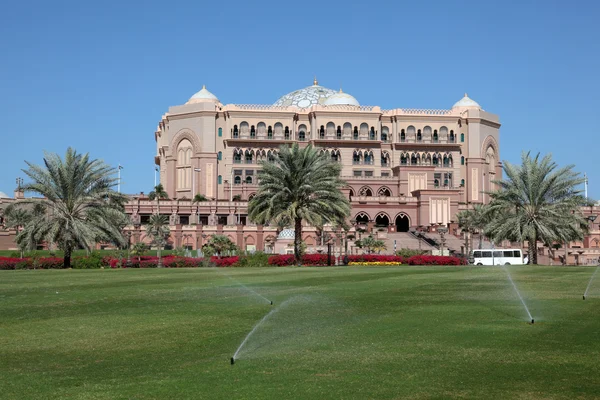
[(436, 260)]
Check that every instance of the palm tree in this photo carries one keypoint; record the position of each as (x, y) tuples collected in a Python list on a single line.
[(474, 220), (300, 184), (85, 209), (139, 249), (157, 194), (158, 230), (221, 244), (17, 217), (537, 202)]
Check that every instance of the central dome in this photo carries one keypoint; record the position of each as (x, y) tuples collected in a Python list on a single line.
[(306, 97)]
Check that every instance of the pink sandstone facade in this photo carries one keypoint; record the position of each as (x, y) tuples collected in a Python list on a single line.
[(407, 169)]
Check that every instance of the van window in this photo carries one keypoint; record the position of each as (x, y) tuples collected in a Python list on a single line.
[(477, 254), (517, 253), (508, 253), (498, 253), (486, 254)]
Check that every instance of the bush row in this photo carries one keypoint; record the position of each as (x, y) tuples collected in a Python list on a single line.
[(255, 260)]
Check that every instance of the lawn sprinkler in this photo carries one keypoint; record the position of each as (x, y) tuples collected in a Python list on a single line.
[(532, 321), (272, 301), (232, 360), (584, 296)]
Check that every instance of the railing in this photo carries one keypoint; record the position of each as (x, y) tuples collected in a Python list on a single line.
[(377, 178)]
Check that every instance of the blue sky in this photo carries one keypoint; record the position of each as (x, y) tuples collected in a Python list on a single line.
[(98, 76)]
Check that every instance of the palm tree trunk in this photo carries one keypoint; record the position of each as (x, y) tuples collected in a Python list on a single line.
[(532, 251), (297, 239), (67, 258)]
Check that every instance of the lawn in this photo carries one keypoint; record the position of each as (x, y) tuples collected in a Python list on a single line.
[(333, 333)]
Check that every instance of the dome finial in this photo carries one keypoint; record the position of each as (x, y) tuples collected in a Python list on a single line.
[(466, 95), (203, 86), (315, 82)]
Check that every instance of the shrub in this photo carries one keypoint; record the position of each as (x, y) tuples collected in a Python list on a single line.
[(258, 259), (224, 261), (316, 259), (93, 261), (281, 260), (435, 260), (407, 253), (7, 263)]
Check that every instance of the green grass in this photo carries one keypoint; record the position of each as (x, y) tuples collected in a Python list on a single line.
[(337, 333)]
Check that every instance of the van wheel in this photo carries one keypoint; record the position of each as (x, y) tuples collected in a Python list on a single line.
[(479, 264), (507, 264)]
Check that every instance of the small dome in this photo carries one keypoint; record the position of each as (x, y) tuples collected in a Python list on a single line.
[(286, 234), (203, 96), (466, 101), (341, 98), (303, 98), (4, 196)]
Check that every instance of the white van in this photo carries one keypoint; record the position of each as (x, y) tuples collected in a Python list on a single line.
[(498, 257)]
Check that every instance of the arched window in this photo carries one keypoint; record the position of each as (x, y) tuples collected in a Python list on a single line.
[(368, 157), (330, 129), (385, 159), (249, 180), (446, 161), (236, 133), (435, 136), (219, 156), (286, 133), (220, 132), (270, 156), (278, 129), (348, 129), (237, 156), (419, 136), (384, 192), (435, 160), (220, 180), (302, 132), (356, 158), (362, 218), (462, 160), (366, 191), (184, 164), (403, 159), (237, 180), (427, 132), (252, 132), (372, 134), (410, 132), (355, 133), (322, 132), (462, 137), (414, 159), (443, 133), (385, 131), (338, 133), (249, 157), (436, 183), (451, 138), (402, 136), (335, 156), (270, 132), (261, 128), (364, 129), (244, 128)]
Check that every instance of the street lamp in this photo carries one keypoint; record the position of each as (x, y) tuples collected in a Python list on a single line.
[(194, 181), (128, 262)]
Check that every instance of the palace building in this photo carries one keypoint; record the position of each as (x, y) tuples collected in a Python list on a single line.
[(406, 168)]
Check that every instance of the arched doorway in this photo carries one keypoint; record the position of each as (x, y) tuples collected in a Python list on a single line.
[(362, 219), (402, 223), (382, 221)]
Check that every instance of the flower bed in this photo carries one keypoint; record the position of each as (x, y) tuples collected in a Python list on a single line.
[(28, 263), (371, 258), (436, 260), (314, 260), (376, 263)]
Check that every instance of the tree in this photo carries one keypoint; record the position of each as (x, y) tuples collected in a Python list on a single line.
[(139, 249), (370, 244), (85, 208), (157, 194), (537, 202), (474, 220), (17, 217), (220, 244), (159, 231), (300, 184)]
